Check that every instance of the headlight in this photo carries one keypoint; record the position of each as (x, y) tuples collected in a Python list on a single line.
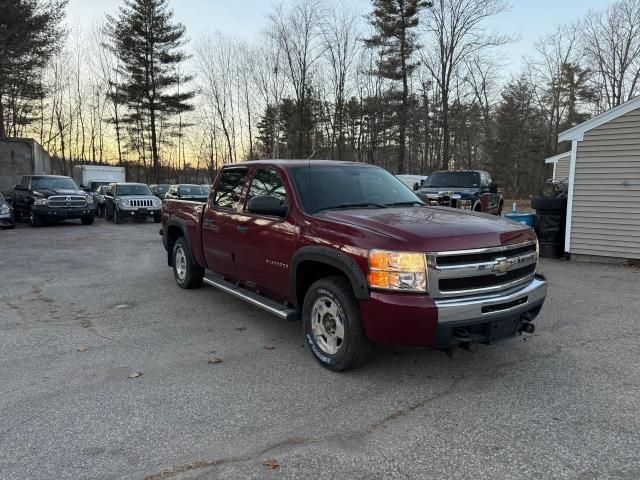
[(464, 204), (122, 203), (41, 201), (156, 202), (89, 200), (5, 211), (397, 271)]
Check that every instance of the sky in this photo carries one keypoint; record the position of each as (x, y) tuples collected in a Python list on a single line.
[(527, 19)]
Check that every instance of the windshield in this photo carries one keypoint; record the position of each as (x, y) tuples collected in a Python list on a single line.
[(193, 191), (329, 187), (133, 190), (161, 188), (54, 183), (453, 180)]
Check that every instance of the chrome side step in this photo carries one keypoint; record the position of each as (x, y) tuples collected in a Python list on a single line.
[(253, 298)]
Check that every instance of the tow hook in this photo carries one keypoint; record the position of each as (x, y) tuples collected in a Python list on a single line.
[(528, 327)]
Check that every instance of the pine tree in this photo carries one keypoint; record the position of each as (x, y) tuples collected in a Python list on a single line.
[(30, 32), (395, 22), (149, 44)]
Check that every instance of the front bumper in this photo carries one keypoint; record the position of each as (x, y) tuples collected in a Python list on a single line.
[(7, 220), (419, 320), (61, 213), (139, 212)]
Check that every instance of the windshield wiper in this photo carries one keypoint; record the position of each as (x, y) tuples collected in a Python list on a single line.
[(353, 205), (401, 204)]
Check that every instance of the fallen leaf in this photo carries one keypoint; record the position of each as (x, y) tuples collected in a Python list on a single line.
[(213, 359), (269, 347), (135, 374), (83, 348), (271, 464)]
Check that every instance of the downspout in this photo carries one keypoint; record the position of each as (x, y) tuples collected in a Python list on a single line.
[(572, 178)]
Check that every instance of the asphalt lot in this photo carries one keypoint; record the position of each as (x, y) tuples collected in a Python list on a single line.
[(81, 308)]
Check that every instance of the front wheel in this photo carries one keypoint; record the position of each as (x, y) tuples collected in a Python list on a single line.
[(157, 219), (88, 220), (187, 274), (116, 216), (332, 325)]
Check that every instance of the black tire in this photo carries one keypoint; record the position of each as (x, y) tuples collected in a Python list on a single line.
[(477, 207), (10, 227), (334, 293), (187, 274), (500, 207), (88, 220), (116, 216), (552, 204), (35, 220)]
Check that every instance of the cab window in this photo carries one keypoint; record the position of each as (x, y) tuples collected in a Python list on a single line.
[(229, 187), (266, 181)]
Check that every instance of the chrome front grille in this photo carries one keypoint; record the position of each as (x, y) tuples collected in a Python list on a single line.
[(143, 202), (67, 201), (471, 272)]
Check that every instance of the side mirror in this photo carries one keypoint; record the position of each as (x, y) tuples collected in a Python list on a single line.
[(416, 186), (267, 205), (19, 187), (493, 187)]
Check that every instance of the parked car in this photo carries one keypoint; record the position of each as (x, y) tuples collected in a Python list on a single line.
[(160, 190), (357, 256), (7, 219), (464, 189), (131, 200), (412, 181), (98, 199), (41, 198), (195, 193)]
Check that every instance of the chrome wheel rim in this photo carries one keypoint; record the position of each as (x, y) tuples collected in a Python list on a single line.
[(327, 324), (181, 263)]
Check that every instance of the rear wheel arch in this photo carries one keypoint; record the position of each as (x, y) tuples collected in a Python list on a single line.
[(310, 264), (175, 230)]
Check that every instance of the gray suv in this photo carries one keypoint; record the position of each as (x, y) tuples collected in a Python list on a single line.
[(131, 200)]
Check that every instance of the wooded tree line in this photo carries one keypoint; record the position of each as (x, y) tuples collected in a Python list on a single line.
[(413, 86)]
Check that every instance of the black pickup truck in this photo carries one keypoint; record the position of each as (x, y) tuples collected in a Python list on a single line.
[(41, 198), (464, 189)]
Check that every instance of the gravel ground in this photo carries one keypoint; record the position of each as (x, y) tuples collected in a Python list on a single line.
[(83, 308)]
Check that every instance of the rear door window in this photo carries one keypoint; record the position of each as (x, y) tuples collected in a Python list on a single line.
[(229, 188), (266, 181)]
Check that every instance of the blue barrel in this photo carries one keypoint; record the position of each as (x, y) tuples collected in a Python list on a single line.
[(521, 217)]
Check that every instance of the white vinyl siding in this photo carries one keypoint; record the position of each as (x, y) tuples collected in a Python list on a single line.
[(606, 212), (562, 168)]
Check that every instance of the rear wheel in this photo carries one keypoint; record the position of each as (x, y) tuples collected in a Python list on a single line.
[(333, 326), (187, 274), (35, 220), (500, 206)]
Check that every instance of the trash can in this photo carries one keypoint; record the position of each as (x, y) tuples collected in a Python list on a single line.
[(521, 217), (551, 216)]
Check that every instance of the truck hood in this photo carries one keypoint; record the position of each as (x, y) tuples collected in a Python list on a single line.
[(435, 229), (49, 192)]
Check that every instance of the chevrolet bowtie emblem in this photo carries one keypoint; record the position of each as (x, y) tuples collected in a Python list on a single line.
[(503, 266)]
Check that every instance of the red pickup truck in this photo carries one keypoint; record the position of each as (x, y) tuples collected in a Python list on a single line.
[(357, 256)]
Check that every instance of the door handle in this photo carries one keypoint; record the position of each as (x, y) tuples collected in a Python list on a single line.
[(207, 222), (242, 228)]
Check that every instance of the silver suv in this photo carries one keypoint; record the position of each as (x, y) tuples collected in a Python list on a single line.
[(131, 200)]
